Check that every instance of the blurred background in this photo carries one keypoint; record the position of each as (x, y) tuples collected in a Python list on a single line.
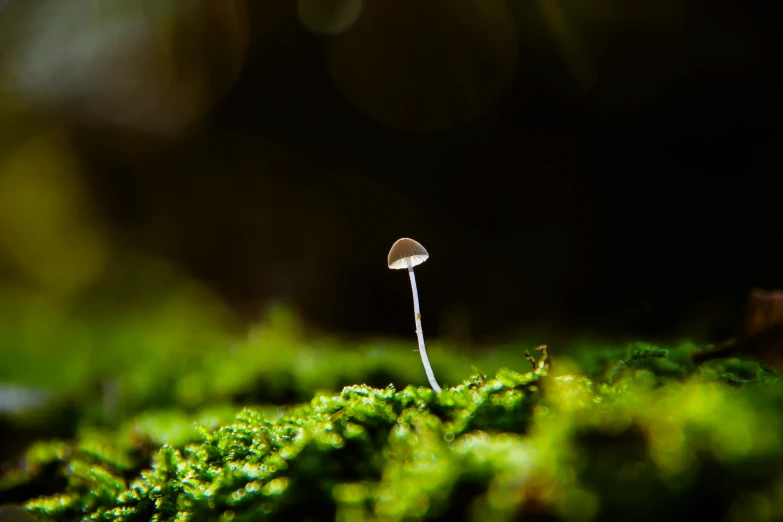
[(604, 168)]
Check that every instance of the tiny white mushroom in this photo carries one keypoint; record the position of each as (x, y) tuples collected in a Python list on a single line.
[(407, 253)]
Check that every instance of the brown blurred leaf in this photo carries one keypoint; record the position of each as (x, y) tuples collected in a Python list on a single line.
[(765, 311), (762, 333)]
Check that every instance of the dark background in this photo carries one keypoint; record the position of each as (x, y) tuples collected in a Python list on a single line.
[(636, 196)]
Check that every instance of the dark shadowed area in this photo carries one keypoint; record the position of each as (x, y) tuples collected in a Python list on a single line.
[(606, 166)]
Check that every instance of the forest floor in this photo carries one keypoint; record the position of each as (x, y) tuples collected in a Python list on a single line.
[(281, 426)]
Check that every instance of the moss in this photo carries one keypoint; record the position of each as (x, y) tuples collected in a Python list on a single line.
[(646, 436), (164, 366)]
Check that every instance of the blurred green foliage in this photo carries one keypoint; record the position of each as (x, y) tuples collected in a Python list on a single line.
[(110, 369), (637, 433)]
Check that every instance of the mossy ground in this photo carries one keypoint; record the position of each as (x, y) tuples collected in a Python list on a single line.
[(259, 430)]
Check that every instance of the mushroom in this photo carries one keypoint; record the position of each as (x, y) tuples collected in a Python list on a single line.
[(407, 253)]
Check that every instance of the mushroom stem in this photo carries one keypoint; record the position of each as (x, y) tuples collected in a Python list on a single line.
[(422, 350)]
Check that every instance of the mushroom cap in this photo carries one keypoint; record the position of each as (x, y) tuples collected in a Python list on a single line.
[(406, 253)]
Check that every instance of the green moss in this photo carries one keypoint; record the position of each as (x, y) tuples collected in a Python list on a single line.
[(643, 437), (168, 366)]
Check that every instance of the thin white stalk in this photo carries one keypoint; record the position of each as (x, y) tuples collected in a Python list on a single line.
[(422, 350)]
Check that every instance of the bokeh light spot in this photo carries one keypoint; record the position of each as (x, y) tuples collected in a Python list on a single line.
[(45, 221), (329, 16), (426, 67), (152, 67)]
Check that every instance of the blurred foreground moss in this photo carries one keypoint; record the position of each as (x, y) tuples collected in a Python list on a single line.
[(642, 437), (100, 368)]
